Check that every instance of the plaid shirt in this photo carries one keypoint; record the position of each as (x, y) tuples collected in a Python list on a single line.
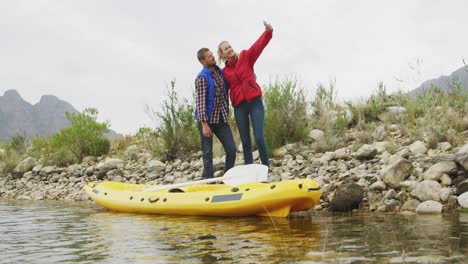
[(220, 108)]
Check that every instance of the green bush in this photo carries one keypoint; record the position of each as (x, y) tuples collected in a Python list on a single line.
[(19, 143), (85, 137), (48, 154), (433, 112), (9, 161), (286, 113), (62, 157), (325, 99), (176, 126), (40, 149), (377, 103), (99, 147), (148, 139), (341, 123), (121, 144)]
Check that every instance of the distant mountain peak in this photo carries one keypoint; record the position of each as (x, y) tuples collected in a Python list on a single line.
[(11, 92), (446, 82), (12, 95), (42, 119), (48, 97), (52, 100)]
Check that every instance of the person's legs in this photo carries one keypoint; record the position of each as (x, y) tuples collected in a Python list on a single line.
[(207, 153), (224, 134), (241, 113), (257, 115)]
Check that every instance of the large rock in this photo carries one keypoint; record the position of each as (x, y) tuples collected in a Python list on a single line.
[(394, 127), (393, 158), (185, 166), (418, 147), (317, 135), (444, 146), (427, 190), (155, 166), (280, 152), (445, 194), (378, 186), (74, 168), (444, 157), (437, 170), (23, 197), (462, 156), (381, 146), (25, 165), (89, 171), (463, 200), (396, 109), (151, 176), (429, 207), (37, 169), (47, 170), (463, 149), (90, 160), (109, 164), (397, 172), (328, 156), (445, 180), (366, 152), (341, 154), (347, 198), (131, 153), (379, 133), (462, 187)]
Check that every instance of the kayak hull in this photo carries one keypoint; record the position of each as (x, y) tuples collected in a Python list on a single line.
[(263, 199)]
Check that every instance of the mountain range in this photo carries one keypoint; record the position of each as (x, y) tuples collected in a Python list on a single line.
[(446, 83), (44, 118)]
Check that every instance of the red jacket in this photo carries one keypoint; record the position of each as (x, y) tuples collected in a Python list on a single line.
[(240, 73)]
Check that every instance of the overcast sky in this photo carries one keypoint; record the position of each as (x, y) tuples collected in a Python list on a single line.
[(118, 56)]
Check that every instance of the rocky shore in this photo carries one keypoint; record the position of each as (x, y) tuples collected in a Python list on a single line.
[(414, 178)]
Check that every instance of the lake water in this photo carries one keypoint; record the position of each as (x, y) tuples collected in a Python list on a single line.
[(59, 232)]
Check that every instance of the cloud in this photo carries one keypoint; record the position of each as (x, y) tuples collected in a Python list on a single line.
[(118, 56)]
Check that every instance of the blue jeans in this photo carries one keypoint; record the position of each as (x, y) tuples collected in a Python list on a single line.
[(224, 134), (256, 111)]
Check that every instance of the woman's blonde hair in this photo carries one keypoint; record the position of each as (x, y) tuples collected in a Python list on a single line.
[(220, 58)]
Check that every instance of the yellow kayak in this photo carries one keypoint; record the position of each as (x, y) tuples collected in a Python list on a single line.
[(263, 199)]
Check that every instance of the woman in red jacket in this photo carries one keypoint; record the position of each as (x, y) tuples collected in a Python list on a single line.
[(246, 94)]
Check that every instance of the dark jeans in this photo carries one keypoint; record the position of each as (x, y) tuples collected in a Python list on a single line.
[(224, 134), (256, 111)]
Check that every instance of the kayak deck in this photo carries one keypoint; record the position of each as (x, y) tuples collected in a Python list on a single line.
[(263, 199)]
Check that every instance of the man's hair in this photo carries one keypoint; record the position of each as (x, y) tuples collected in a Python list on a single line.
[(201, 53)]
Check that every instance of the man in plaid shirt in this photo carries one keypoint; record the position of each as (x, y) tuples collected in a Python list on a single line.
[(212, 107)]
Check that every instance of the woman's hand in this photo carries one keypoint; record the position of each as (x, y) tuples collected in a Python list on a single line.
[(268, 27)]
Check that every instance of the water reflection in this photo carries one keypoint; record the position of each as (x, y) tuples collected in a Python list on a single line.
[(395, 238), (205, 239), (45, 232)]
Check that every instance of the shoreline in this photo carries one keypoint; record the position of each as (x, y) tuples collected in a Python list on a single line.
[(413, 179)]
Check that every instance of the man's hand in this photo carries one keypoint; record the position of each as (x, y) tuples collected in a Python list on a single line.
[(268, 27), (206, 130)]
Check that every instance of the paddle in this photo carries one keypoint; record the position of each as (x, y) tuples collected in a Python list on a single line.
[(235, 176)]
